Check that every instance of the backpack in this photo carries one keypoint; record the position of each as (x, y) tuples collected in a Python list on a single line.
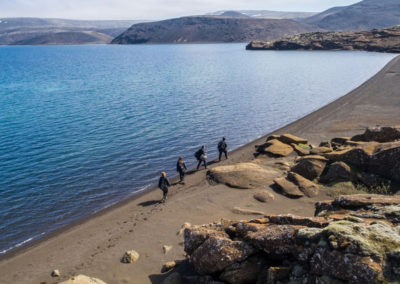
[(222, 146), (197, 154)]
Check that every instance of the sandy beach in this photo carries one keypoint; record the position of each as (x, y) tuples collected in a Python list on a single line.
[(95, 246)]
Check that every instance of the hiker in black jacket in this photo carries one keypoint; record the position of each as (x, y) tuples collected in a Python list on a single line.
[(181, 169), (201, 156), (163, 184), (222, 148)]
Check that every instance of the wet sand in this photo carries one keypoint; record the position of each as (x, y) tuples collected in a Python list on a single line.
[(94, 246)]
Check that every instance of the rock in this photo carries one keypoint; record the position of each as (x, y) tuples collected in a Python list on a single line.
[(277, 148), (264, 196), (238, 210), (55, 273), (346, 267), (168, 266), (82, 279), (311, 157), (244, 272), (288, 188), (289, 219), (362, 200), (276, 274), (300, 150), (195, 236), (182, 229), (166, 249), (289, 139), (217, 253), (338, 171), (173, 278), (310, 168), (272, 137), (242, 175), (306, 186), (340, 140), (130, 256), (379, 134), (320, 150), (325, 144)]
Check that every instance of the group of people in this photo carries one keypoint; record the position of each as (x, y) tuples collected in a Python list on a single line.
[(201, 156)]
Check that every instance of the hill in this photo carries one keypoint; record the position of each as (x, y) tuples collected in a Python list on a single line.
[(32, 31), (209, 29), (266, 14), (365, 15), (381, 40)]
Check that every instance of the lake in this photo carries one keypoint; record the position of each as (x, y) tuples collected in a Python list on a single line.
[(83, 127)]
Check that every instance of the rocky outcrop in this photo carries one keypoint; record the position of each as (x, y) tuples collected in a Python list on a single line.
[(379, 134), (310, 167), (277, 148), (242, 175), (337, 172), (383, 40), (355, 240)]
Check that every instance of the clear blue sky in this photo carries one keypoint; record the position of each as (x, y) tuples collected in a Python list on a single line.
[(151, 9)]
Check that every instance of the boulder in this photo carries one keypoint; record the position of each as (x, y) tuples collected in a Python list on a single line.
[(289, 219), (173, 278), (217, 253), (242, 175), (277, 148), (288, 188), (362, 200), (195, 236), (300, 150), (55, 273), (339, 141), (320, 150), (379, 134), (130, 256), (310, 168), (306, 186), (263, 196), (272, 137), (289, 139), (338, 171), (82, 279)]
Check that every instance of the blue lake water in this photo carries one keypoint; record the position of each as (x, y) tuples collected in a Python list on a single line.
[(82, 127)]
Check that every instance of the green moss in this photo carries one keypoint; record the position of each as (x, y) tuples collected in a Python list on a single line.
[(383, 188), (304, 146)]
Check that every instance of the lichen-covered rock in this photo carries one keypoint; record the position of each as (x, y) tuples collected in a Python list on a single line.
[(300, 150), (217, 253), (310, 168), (379, 134), (195, 236), (82, 279), (355, 242), (242, 175)]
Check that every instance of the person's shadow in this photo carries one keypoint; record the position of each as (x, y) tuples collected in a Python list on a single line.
[(149, 203)]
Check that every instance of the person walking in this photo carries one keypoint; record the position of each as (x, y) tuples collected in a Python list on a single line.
[(223, 148), (163, 184), (201, 156), (181, 169)]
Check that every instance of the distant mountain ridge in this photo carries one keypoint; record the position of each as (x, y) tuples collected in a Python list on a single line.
[(364, 15), (209, 29), (34, 31), (266, 14)]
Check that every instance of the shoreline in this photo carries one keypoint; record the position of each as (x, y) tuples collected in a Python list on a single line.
[(311, 125)]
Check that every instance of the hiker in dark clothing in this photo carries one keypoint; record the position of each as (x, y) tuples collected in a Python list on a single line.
[(222, 148), (163, 184), (181, 169), (201, 156)]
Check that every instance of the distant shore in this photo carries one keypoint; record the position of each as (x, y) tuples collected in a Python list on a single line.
[(94, 246)]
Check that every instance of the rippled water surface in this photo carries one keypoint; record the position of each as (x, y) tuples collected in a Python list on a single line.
[(82, 127)]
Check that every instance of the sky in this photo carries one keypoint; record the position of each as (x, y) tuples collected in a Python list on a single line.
[(151, 9)]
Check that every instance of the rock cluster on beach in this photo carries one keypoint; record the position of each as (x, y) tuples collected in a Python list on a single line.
[(353, 239), (379, 40), (371, 159)]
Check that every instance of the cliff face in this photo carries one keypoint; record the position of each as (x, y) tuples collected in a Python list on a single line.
[(382, 40), (209, 29), (364, 15)]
